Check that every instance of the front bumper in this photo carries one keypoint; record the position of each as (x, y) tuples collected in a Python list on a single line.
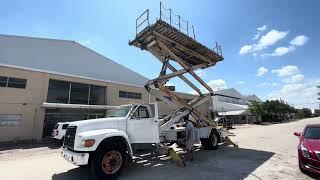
[(311, 168), (76, 158), (309, 164)]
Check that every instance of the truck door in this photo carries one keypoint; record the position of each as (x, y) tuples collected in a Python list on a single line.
[(142, 126)]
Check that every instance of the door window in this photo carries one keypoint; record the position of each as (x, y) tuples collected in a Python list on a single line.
[(141, 112)]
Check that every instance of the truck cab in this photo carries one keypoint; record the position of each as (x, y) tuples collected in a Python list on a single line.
[(102, 141)]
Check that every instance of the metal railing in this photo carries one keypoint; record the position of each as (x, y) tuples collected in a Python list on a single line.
[(176, 21), (140, 21), (218, 49)]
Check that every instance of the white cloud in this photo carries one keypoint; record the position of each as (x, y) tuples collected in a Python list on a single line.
[(217, 84), (256, 36), (290, 88), (280, 51), (299, 40), (300, 95), (245, 49), (271, 38), (294, 79), (286, 71), (294, 43), (201, 72), (262, 71), (240, 82), (268, 84), (262, 28)]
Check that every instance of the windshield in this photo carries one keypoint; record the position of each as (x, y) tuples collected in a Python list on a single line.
[(119, 112), (312, 133)]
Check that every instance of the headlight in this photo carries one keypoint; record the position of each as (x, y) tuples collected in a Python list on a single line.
[(88, 142), (305, 152)]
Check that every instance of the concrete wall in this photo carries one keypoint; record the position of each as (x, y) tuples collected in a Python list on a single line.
[(25, 102)]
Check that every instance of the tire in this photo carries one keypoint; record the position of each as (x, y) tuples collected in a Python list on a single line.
[(210, 143), (108, 161)]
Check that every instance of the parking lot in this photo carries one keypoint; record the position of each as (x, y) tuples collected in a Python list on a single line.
[(265, 152)]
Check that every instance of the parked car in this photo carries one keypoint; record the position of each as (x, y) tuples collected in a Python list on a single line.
[(60, 130), (309, 148)]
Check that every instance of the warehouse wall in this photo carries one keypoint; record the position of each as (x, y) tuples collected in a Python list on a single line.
[(25, 102)]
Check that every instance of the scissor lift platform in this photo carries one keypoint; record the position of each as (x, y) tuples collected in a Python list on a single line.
[(167, 43), (188, 49)]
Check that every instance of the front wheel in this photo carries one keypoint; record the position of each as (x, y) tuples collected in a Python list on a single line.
[(108, 162)]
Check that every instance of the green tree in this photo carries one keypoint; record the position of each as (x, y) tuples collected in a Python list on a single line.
[(256, 109), (304, 113), (316, 113)]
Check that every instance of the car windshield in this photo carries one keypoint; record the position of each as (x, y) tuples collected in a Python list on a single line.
[(119, 112), (312, 133)]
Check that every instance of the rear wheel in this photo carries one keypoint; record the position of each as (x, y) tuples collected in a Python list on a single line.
[(210, 143), (108, 161)]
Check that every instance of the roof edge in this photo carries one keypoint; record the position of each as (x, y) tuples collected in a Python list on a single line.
[(64, 74)]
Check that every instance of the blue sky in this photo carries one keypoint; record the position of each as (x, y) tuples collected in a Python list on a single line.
[(271, 48)]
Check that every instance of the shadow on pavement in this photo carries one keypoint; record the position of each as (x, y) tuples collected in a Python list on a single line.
[(224, 163), (29, 145)]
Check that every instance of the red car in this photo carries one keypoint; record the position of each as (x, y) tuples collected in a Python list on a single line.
[(309, 148)]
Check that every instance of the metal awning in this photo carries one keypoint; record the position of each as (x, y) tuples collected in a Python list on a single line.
[(233, 113), (76, 106)]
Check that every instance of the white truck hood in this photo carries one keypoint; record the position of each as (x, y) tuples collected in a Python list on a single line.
[(96, 124)]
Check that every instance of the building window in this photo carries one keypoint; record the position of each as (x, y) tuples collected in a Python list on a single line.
[(58, 92), (17, 83), (131, 95), (3, 81), (97, 95), (79, 93), (75, 93), (10, 119), (12, 82)]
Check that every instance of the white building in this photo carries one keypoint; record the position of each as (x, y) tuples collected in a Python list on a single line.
[(232, 104)]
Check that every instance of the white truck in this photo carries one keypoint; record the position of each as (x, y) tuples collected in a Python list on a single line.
[(107, 144), (59, 131)]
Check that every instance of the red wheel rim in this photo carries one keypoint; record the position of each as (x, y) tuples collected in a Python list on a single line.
[(111, 162)]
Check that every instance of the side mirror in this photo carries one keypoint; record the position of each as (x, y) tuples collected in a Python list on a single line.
[(298, 134)]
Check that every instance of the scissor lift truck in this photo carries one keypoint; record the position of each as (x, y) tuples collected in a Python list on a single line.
[(168, 43), (107, 144)]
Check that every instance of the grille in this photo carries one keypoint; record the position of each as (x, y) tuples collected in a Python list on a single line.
[(69, 137)]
